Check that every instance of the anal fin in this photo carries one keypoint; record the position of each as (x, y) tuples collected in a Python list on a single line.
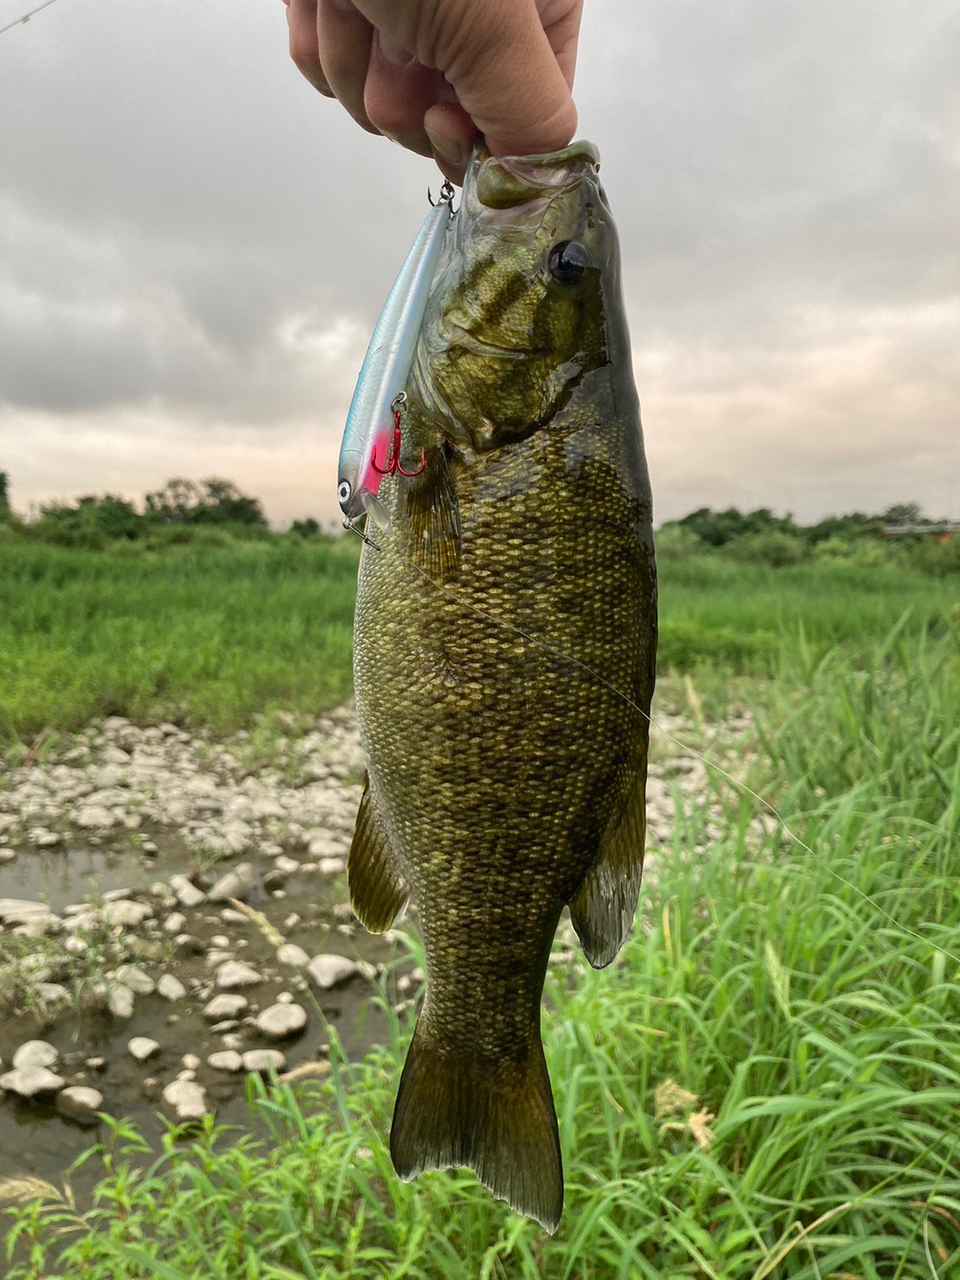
[(378, 891), (603, 908)]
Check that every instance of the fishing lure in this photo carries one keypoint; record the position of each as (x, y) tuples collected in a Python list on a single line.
[(371, 438)]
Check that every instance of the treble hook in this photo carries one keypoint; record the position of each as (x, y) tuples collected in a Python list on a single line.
[(365, 537), (393, 453), (447, 192)]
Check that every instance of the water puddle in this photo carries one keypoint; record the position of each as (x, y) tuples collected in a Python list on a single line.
[(36, 1140)]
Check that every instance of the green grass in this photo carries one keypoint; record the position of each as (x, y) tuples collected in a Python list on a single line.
[(803, 996), (218, 631), (202, 634), (746, 618)]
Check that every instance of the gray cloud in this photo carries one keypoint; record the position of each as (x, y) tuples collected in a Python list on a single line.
[(194, 247)]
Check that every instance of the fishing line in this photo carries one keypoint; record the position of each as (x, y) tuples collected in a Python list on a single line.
[(742, 786), (21, 21)]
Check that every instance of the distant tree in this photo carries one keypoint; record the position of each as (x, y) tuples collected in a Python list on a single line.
[(173, 503), (92, 522), (223, 502), (213, 501), (904, 513), (717, 528), (4, 496), (307, 528)]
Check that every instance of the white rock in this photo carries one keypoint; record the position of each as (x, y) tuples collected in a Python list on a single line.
[(286, 866), (177, 813), (229, 916), (226, 1060), (120, 1000), (7, 855), (331, 866), (52, 992), (35, 1053), (281, 1021), (19, 910), (114, 895), (263, 1060), (94, 817), (126, 913), (186, 1099), (267, 807), (188, 895), (133, 976), (40, 838), (324, 846), (240, 806), (175, 923), (115, 755), (233, 974), (238, 835), (293, 955), (171, 988), (225, 1006), (80, 1103), (142, 1048), (29, 1081), (83, 916), (329, 970), (237, 883), (190, 1063), (38, 925)]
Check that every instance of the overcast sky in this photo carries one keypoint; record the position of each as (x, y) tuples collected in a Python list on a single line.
[(194, 248)]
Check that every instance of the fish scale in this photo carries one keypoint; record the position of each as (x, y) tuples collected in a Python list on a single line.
[(504, 781)]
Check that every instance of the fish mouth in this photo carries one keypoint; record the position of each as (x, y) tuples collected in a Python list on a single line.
[(502, 182), (458, 336)]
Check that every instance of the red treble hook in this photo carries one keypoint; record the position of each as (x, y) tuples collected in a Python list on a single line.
[(393, 455)]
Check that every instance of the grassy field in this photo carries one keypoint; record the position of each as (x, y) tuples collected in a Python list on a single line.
[(766, 1083), (217, 631)]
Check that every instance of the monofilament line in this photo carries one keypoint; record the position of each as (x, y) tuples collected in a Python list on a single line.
[(24, 18), (690, 751)]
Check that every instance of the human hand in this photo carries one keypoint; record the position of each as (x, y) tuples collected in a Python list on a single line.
[(431, 74)]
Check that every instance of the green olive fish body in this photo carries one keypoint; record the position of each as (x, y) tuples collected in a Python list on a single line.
[(504, 661)]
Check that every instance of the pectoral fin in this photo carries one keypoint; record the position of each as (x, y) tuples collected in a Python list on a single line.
[(433, 517), (377, 889), (606, 902)]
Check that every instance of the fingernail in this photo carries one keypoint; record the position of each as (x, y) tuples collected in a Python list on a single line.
[(410, 142), (448, 149), (393, 53)]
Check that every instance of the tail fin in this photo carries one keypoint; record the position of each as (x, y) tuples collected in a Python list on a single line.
[(454, 1109)]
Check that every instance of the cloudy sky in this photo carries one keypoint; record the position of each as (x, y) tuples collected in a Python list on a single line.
[(194, 248)]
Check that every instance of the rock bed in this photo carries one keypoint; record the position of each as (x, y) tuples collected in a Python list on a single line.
[(211, 939), (178, 939)]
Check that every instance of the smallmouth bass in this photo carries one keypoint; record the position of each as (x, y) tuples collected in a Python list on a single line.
[(506, 780)]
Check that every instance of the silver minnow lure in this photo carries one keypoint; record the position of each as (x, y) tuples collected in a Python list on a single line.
[(385, 369)]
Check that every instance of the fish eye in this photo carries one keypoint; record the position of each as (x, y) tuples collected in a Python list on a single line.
[(568, 261), (344, 492)]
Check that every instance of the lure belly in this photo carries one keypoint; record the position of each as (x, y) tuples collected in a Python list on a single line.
[(371, 438)]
